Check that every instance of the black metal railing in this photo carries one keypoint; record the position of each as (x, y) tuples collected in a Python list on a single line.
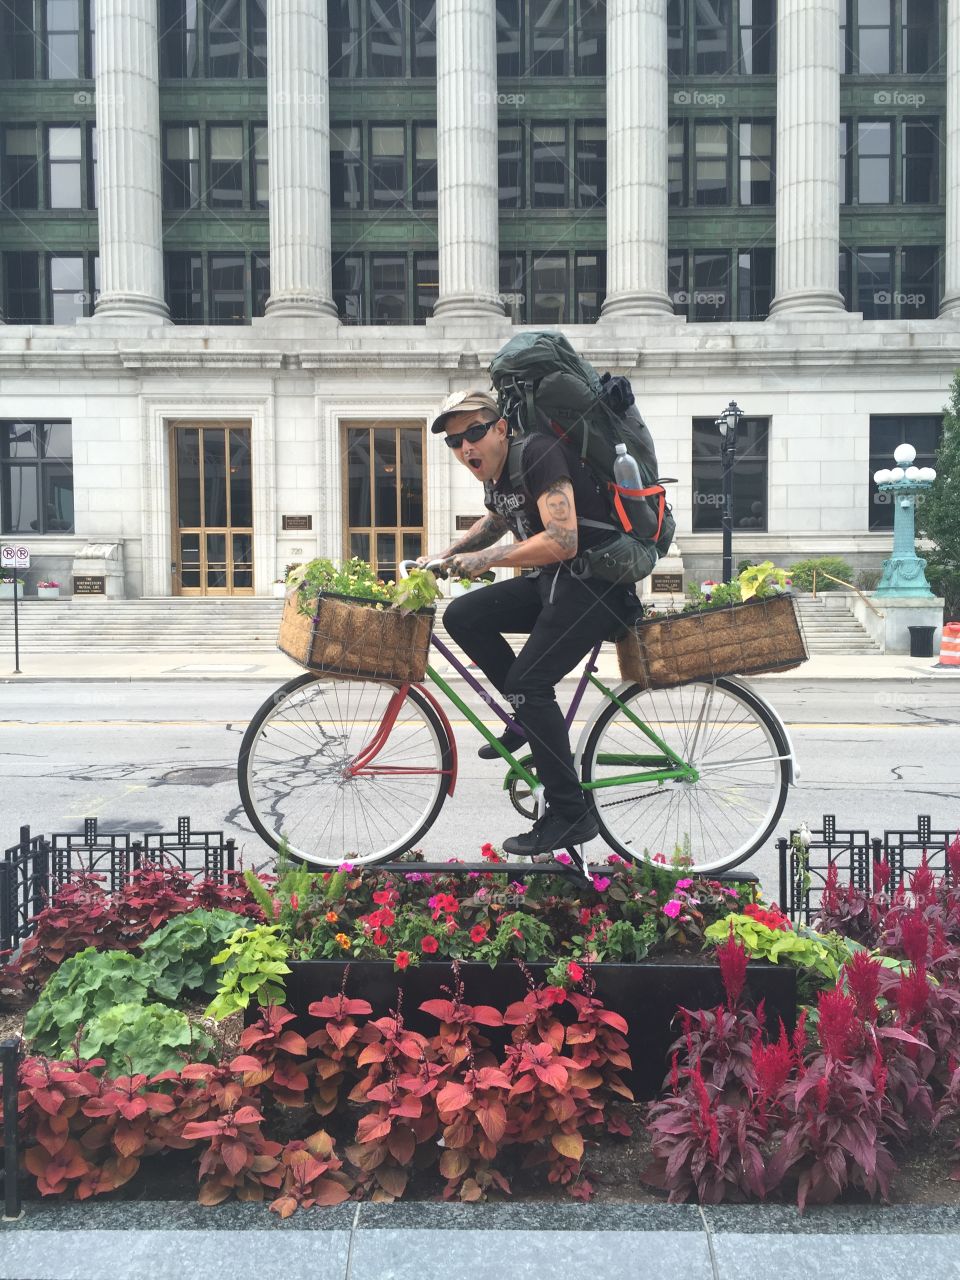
[(803, 870), (10, 1053)]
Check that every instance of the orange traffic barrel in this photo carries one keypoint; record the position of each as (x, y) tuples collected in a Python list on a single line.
[(950, 646)]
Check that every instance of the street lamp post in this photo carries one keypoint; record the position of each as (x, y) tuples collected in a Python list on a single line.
[(727, 424), (904, 574)]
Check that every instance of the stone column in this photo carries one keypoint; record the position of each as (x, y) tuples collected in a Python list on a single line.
[(467, 192), (951, 281), (636, 159), (298, 125), (128, 161), (808, 129)]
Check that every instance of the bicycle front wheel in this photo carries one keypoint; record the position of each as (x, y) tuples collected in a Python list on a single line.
[(344, 770), (716, 820)]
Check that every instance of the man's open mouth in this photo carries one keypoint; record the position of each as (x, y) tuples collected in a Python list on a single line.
[(476, 463)]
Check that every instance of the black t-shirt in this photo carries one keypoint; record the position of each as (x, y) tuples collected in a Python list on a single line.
[(545, 461)]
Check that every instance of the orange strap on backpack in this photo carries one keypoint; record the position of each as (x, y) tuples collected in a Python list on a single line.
[(654, 491)]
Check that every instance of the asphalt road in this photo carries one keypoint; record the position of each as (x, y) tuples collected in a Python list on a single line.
[(137, 756)]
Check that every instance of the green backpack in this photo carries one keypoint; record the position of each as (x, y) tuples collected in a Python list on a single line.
[(543, 385)]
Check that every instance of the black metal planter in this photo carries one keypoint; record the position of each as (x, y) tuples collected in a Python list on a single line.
[(647, 995)]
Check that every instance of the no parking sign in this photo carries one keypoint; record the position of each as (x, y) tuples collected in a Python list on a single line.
[(15, 556)]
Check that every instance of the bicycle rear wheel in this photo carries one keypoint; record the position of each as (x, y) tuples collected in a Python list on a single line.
[(309, 772), (729, 737)]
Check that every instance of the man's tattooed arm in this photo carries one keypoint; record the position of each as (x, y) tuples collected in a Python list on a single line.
[(557, 542), (559, 516), (482, 533)]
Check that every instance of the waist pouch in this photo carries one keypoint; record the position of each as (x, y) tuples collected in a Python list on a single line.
[(621, 559)]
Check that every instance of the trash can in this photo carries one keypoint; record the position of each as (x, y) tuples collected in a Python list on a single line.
[(921, 641)]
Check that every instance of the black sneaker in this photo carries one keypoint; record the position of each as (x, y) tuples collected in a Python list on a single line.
[(509, 739), (553, 831)]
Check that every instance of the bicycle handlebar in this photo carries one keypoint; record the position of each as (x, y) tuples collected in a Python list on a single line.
[(436, 566)]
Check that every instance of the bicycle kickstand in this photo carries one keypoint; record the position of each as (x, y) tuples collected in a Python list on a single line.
[(578, 854)]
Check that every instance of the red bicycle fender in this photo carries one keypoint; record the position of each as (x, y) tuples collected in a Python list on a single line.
[(437, 706)]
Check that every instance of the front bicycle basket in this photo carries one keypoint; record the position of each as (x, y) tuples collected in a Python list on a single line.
[(738, 639), (358, 639)]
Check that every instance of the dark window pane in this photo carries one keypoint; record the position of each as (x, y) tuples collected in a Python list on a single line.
[(921, 32), (385, 475), (923, 431), (843, 163), (56, 495), (676, 163), (387, 167), (591, 162), (919, 283), (261, 282), (21, 169), (757, 24), (749, 476), (509, 38), (677, 282), (184, 273), (261, 167), (388, 289), (756, 162), (226, 167), (346, 167), (347, 278), (920, 147), (425, 166), (513, 286), (754, 284), (226, 289), (19, 499), (386, 563), (590, 283), (177, 32), (548, 22), (181, 166), (19, 441), (711, 286), (712, 36), (217, 560), (875, 283), (66, 289), (224, 39), (549, 143), (22, 288), (411, 482), (359, 506), (426, 267), (711, 141), (510, 166), (241, 489), (845, 277), (55, 440), (873, 145), (549, 278), (385, 38), (344, 38), (424, 17), (257, 27), (187, 441), (676, 37), (214, 477), (590, 31), (17, 40), (412, 546), (190, 560)]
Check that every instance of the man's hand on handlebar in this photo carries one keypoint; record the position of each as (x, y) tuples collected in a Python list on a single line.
[(470, 564)]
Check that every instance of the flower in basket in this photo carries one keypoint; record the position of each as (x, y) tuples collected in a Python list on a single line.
[(48, 584)]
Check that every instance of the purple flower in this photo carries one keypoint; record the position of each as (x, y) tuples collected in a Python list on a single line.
[(345, 866), (600, 883), (517, 887), (473, 875), (413, 876), (563, 858), (684, 884), (673, 908)]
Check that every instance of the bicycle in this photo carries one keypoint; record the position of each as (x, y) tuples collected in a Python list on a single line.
[(359, 770)]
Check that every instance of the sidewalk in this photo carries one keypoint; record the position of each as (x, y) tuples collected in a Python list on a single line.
[(410, 1241), (275, 667)]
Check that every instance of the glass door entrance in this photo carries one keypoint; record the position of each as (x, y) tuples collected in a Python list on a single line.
[(212, 510)]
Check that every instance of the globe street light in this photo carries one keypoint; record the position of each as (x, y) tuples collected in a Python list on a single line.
[(904, 574), (727, 424)]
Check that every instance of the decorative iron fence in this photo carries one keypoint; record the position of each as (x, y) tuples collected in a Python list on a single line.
[(854, 851)]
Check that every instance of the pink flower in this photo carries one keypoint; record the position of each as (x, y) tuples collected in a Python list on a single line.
[(574, 970), (600, 883), (673, 908), (563, 858), (345, 866), (684, 884)]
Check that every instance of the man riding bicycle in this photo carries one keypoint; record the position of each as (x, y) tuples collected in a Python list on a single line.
[(557, 510)]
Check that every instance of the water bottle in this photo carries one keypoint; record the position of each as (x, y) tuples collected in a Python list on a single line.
[(627, 475), (625, 469)]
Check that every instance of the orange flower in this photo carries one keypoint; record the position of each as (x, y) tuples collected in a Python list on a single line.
[(331, 917), (343, 940)]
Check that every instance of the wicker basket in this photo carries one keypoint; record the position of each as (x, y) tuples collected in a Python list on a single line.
[(740, 639), (353, 638)]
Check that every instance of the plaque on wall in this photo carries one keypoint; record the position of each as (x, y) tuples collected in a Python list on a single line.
[(297, 524), (466, 522), (671, 583), (89, 585)]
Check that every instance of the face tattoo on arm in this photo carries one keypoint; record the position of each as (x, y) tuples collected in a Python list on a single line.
[(559, 516)]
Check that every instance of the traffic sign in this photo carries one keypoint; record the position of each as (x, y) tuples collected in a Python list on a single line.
[(14, 555)]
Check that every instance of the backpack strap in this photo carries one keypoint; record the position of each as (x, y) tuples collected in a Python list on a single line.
[(652, 491), (515, 472)]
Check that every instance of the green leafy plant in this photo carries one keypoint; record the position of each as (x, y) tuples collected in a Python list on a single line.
[(629, 942), (822, 955), (254, 959), (143, 1037), (762, 580), (178, 956), (357, 579), (938, 516), (802, 573), (89, 983)]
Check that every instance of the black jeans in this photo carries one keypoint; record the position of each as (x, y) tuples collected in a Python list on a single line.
[(564, 617)]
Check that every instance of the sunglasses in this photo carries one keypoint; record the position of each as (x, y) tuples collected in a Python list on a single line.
[(473, 433)]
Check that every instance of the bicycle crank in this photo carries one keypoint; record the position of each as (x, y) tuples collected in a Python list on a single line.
[(521, 797)]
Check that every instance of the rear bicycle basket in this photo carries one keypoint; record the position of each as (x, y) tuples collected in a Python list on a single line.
[(358, 639), (739, 639)]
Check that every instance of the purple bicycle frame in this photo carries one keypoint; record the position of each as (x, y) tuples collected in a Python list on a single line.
[(590, 666)]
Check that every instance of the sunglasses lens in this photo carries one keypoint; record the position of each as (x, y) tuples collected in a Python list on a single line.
[(473, 434)]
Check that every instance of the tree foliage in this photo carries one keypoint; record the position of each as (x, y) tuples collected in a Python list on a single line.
[(938, 516)]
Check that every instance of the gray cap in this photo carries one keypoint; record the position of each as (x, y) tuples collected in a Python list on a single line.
[(463, 402)]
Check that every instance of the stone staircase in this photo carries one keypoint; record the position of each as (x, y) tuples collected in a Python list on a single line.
[(182, 624), (833, 629)]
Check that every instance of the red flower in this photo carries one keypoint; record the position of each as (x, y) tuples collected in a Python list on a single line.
[(379, 937), (574, 971), (383, 897), (838, 1027), (584, 915), (732, 959), (429, 944), (488, 852), (295, 902), (478, 933), (402, 959)]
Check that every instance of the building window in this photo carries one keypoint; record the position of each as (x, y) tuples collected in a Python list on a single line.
[(712, 37), (385, 39), (548, 26), (874, 282), (227, 290), (64, 39), (677, 281), (550, 168), (549, 288), (383, 498), (425, 166), (756, 162), (343, 38), (844, 167), (257, 38), (388, 288), (711, 162), (225, 41), (260, 268), (590, 286), (868, 282), (591, 164), (388, 185), (18, 46), (554, 38), (426, 285), (676, 38), (510, 166), (590, 33), (181, 166), (184, 287), (754, 283), (509, 38), (178, 39), (65, 171), (711, 285), (261, 167), (225, 161), (874, 169), (758, 20), (918, 297), (346, 167), (874, 48), (424, 52), (229, 44), (715, 284), (67, 293), (920, 153), (347, 277), (923, 431), (21, 278), (749, 476), (513, 286), (920, 36), (36, 477), (21, 169), (677, 163)]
